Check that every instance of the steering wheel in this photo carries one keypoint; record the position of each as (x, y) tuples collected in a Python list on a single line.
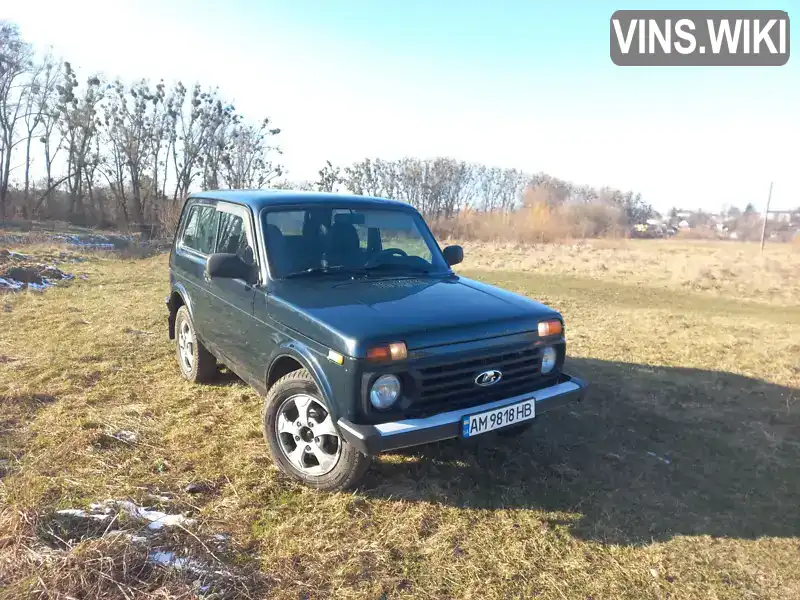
[(375, 259)]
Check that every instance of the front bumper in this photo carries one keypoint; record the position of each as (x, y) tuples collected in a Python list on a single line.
[(372, 439)]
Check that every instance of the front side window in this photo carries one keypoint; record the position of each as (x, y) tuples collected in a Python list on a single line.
[(324, 239), (200, 228), (232, 237)]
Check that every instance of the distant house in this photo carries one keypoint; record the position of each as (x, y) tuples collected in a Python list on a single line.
[(683, 224)]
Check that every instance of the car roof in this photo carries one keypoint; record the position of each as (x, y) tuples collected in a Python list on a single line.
[(258, 199)]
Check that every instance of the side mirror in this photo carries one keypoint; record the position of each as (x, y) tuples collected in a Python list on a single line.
[(453, 255), (227, 266)]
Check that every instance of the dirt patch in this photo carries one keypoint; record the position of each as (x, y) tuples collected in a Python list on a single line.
[(24, 275), (20, 271)]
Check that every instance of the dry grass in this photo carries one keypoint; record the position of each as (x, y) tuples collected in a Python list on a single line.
[(582, 506), (731, 269), (536, 222)]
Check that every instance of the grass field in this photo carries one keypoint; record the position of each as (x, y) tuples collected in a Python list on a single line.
[(733, 270), (678, 478)]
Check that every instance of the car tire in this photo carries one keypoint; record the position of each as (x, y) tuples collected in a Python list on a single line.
[(340, 466), (196, 363)]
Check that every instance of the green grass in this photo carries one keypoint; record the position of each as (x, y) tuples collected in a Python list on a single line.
[(576, 508)]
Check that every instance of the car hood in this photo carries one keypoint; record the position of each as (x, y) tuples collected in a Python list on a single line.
[(353, 315)]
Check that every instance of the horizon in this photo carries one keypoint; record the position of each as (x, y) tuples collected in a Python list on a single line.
[(519, 87)]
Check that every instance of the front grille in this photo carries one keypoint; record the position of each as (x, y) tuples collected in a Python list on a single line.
[(451, 386)]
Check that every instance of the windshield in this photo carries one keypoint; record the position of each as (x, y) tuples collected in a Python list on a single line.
[(321, 239)]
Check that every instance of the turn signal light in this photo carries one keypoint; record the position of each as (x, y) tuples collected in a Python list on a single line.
[(335, 357), (548, 328), (395, 351)]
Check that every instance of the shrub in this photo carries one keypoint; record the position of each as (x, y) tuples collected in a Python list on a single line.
[(534, 223), (168, 214)]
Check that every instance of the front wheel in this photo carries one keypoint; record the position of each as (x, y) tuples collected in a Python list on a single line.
[(197, 364), (302, 439)]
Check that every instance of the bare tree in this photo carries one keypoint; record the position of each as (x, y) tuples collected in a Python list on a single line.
[(363, 178), (194, 128), (555, 191), (79, 124), (329, 178), (90, 170), (38, 100), (172, 110), (130, 114), (437, 187), (160, 135), (246, 164), (15, 62), (150, 139), (286, 184), (455, 186), (221, 121), (50, 138)]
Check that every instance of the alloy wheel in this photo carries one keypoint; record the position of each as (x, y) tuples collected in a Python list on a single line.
[(186, 346), (306, 435)]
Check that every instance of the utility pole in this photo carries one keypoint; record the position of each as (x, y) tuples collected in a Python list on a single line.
[(766, 214)]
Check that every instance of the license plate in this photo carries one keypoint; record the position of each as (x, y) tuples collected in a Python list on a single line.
[(472, 425)]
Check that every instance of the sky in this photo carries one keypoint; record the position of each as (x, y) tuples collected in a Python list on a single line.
[(522, 84)]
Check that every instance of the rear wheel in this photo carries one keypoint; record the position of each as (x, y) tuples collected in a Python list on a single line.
[(196, 363), (302, 439)]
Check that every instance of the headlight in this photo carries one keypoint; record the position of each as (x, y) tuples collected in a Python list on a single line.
[(549, 358), (384, 391)]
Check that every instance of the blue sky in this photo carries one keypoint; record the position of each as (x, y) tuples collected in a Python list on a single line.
[(518, 83)]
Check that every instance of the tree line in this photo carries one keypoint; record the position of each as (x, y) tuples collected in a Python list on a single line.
[(442, 187), (112, 153)]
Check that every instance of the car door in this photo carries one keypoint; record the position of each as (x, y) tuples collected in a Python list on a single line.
[(280, 254), (232, 299), (196, 241)]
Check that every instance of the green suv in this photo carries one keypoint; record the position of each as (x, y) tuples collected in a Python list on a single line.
[(344, 313)]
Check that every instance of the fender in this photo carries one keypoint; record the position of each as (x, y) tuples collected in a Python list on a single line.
[(303, 354), (180, 289), (184, 293)]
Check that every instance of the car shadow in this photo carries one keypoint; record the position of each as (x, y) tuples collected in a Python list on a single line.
[(225, 377), (654, 452)]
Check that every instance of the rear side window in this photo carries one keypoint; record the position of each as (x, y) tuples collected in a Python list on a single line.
[(199, 231), (290, 222)]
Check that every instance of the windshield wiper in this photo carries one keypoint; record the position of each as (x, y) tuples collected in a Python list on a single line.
[(324, 271)]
